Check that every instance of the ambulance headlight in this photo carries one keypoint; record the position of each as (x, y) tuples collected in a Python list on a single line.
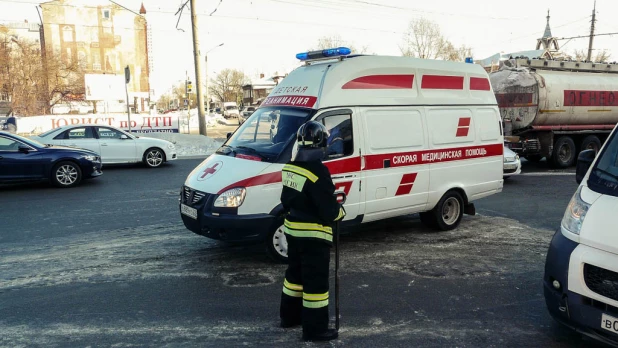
[(575, 213), (231, 198)]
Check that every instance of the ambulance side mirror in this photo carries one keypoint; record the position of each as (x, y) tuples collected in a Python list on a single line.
[(584, 161)]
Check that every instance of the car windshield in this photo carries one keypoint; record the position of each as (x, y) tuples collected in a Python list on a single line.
[(266, 133), (604, 175), (230, 107), (48, 132)]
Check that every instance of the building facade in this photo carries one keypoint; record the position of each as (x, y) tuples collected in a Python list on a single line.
[(102, 38)]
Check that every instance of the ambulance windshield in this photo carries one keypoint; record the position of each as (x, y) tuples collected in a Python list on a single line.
[(604, 176), (267, 133)]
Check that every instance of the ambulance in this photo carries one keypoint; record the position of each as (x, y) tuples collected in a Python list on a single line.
[(581, 269), (406, 136)]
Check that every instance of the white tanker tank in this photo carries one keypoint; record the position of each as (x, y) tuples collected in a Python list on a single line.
[(555, 109)]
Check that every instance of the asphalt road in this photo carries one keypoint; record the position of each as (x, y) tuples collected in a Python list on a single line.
[(109, 263)]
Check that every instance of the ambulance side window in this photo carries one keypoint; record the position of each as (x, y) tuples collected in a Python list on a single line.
[(340, 142)]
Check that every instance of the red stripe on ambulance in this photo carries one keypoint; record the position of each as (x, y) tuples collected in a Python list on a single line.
[(463, 127), (405, 187), (380, 82), (442, 82), (403, 159), (479, 84)]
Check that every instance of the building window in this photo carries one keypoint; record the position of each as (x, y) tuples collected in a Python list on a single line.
[(106, 14), (67, 34)]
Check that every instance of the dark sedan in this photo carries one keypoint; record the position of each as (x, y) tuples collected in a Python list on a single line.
[(23, 159)]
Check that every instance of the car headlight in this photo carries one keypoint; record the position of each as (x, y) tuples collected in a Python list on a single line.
[(231, 198), (171, 146), (575, 213), (91, 158), (516, 158)]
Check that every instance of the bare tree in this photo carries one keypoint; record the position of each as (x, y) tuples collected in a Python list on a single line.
[(581, 55), (33, 84), (424, 39), (602, 56), (336, 41), (227, 85)]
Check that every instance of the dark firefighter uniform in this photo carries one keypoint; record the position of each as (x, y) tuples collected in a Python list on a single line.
[(308, 197)]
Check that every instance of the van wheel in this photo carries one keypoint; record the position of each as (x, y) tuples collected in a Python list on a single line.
[(564, 152), (276, 243), (448, 212)]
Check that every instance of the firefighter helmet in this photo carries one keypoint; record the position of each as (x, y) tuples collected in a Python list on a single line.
[(312, 134)]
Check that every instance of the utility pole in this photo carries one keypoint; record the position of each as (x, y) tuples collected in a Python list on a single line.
[(592, 32), (198, 69)]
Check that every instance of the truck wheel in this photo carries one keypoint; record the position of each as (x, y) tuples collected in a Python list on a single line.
[(276, 244), (591, 142), (564, 152), (534, 158), (448, 212)]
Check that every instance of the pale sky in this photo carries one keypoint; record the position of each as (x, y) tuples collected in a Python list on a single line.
[(265, 35)]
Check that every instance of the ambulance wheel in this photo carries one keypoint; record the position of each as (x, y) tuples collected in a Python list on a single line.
[(449, 211), (276, 244)]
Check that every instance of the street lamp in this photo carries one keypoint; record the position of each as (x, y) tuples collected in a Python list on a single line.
[(207, 90)]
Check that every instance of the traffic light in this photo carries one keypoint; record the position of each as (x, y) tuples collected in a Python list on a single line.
[(189, 87)]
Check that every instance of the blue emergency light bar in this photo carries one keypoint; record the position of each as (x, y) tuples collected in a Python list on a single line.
[(327, 53), (469, 60)]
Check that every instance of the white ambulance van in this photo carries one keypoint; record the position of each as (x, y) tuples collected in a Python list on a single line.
[(406, 136), (581, 270)]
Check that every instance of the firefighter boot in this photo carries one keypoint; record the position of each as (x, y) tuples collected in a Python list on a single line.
[(329, 334)]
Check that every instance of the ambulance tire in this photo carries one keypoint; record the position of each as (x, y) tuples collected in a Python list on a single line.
[(276, 244), (448, 212)]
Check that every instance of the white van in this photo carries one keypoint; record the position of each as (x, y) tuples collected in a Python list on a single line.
[(230, 109), (406, 136), (581, 270)]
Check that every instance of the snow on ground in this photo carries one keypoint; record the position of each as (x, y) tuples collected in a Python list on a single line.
[(189, 144)]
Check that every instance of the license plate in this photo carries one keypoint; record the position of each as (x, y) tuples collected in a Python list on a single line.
[(188, 211), (609, 323), (510, 166)]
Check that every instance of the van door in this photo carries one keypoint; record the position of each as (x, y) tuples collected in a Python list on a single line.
[(397, 177), (343, 158)]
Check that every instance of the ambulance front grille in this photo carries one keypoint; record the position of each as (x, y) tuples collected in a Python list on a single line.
[(192, 196), (601, 281)]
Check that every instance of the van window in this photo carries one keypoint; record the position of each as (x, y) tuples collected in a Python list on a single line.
[(391, 129), (604, 175), (451, 126), (488, 124), (340, 142)]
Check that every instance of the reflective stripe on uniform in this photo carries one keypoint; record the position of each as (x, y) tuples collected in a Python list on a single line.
[(300, 171), (341, 214), (308, 226), (291, 289), (315, 300), (292, 293), (308, 234)]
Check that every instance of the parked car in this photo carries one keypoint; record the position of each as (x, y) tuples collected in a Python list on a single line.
[(115, 145), (245, 113), (512, 163), (230, 110), (23, 160)]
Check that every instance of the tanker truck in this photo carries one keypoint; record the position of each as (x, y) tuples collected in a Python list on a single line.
[(555, 109)]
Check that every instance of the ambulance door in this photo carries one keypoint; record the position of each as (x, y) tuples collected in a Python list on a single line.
[(343, 157), (396, 175)]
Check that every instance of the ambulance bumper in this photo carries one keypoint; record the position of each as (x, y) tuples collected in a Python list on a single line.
[(230, 228)]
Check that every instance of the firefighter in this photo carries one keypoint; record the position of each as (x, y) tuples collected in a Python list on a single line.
[(308, 198)]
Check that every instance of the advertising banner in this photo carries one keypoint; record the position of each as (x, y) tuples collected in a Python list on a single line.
[(140, 123)]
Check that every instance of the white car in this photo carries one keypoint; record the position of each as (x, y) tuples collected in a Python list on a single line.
[(114, 145), (512, 163)]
